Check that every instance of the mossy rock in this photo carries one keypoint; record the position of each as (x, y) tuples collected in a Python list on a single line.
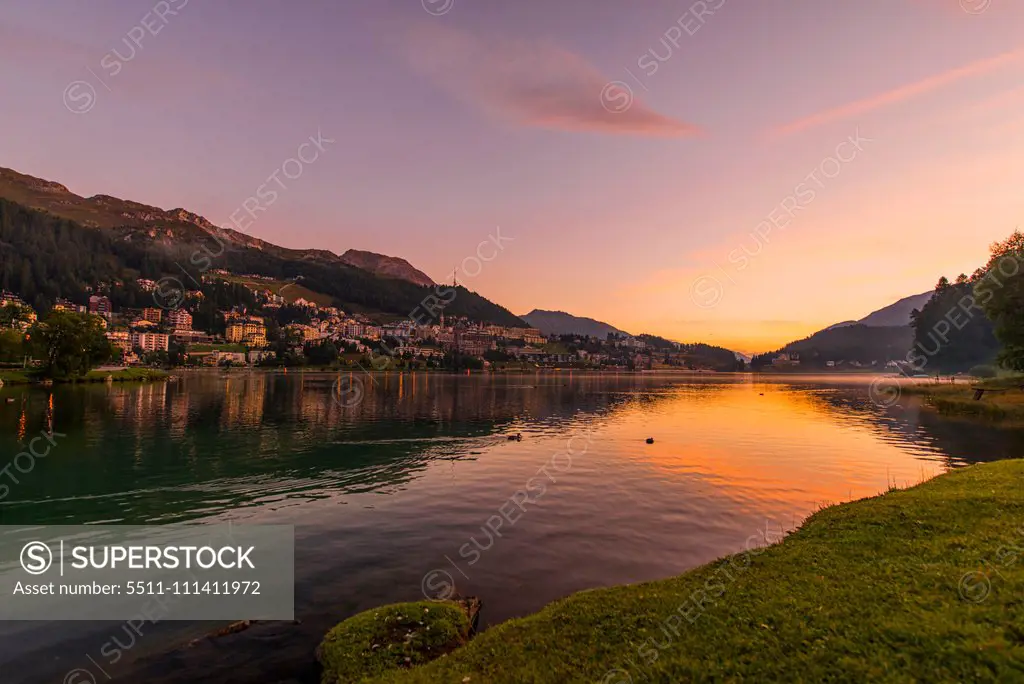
[(400, 635)]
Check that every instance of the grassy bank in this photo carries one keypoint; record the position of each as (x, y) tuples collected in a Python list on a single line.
[(400, 635), (958, 399), (126, 375), (16, 377), (884, 589)]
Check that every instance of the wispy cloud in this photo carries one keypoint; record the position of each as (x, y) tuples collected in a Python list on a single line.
[(897, 95), (532, 84), (68, 60)]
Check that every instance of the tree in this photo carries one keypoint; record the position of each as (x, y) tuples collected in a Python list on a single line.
[(14, 315), (177, 354), (950, 333), (12, 346), (322, 354), (69, 345), (1001, 294)]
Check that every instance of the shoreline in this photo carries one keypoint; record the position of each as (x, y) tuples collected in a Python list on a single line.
[(907, 559), (21, 377), (1002, 406), (884, 585)]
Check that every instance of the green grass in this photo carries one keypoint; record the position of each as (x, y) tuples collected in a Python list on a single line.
[(126, 375), (396, 636), (958, 399), (865, 591), (16, 377), (289, 290)]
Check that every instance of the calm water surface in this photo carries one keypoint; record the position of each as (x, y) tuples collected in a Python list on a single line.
[(386, 495)]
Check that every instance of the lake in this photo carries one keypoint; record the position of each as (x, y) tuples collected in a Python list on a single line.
[(394, 493)]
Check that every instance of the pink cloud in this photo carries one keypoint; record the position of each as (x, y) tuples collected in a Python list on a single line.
[(897, 95), (534, 84)]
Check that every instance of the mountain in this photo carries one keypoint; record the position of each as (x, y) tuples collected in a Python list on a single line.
[(561, 323), (861, 343), (892, 315), (883, 335), (54, 243), (386, 267), (104, 211), (898, 313)]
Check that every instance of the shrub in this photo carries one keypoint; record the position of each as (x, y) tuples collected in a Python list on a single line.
[(984, 372), (399, 635)]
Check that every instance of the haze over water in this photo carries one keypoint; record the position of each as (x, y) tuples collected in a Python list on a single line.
[(395, 494)]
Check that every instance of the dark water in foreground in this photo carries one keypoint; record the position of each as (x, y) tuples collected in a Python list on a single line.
[(384, 494)]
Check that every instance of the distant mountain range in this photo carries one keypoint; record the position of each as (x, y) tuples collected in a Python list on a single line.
[(142, 241), (562, 323), (881, 336), (861, 343)]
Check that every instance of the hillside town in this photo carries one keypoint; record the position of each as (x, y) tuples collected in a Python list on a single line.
[(275, 330)]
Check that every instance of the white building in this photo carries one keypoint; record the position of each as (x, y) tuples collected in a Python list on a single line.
[(150, 341)]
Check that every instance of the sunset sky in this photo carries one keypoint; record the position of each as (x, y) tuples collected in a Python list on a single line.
[(650, 165)]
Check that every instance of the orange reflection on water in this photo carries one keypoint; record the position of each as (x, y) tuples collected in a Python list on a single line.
[(781, 449)]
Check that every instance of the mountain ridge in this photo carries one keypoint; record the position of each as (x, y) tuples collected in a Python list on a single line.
[(110, 212), (46, 223), (895, 314), (563, 323), (386, 266)]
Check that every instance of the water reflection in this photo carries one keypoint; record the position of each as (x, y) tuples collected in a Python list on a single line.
[(386, 490), (209, 443)]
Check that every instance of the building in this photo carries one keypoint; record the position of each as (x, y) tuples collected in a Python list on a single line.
[(352, 329), (633, 343), (399, 331), (9, 298), (533, 336), (120, 339), (152, 315), (100, 305), (247, 330), (125, 354), (472, 342), (308, 333), (527, 353), (191, 337), (257, 355), (217, 357), (783, 360), (425, 352), (179, 319), (150, 342), (69, 306)]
